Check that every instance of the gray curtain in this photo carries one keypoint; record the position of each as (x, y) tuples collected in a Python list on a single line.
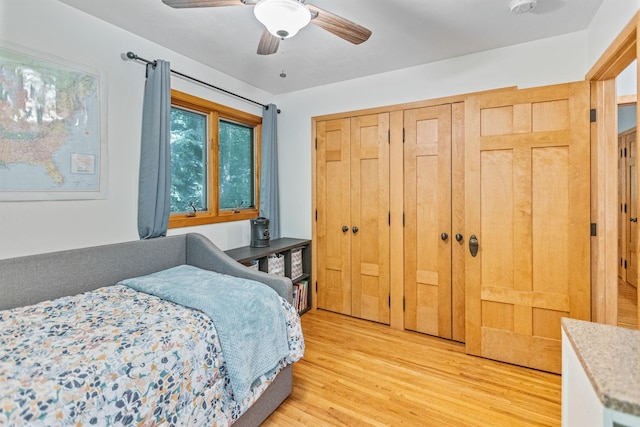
[(269, 195), (154, 184)]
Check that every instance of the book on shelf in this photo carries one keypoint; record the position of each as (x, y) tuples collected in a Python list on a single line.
[(296, 292), (300, 290)]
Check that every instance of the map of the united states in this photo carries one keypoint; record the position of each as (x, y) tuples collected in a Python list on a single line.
[(49, 126)]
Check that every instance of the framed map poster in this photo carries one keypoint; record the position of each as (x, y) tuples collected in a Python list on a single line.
[(52, 128)]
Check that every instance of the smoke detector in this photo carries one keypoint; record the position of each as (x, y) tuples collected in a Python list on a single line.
[(521, 6)]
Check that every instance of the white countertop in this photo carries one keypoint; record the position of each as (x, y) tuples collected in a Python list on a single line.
[(610, 356)]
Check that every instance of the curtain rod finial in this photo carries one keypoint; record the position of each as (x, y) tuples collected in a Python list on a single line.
[(266, 107), (129, 55)]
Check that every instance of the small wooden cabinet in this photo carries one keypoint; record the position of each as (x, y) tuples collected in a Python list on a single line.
[(297, 264)]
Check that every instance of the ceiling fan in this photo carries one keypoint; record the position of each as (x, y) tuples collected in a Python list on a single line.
[(284, 18)]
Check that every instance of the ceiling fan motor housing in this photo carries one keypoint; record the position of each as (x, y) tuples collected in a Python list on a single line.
[(521, 6)]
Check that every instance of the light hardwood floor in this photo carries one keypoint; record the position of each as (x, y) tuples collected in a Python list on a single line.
[(627, 305), (360, 373)]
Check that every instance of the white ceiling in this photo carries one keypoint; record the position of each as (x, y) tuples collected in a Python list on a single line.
[(405, 33)]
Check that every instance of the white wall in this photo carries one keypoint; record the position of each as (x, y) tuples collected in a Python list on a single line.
[(611, 18), (59, 30), (626, 84)]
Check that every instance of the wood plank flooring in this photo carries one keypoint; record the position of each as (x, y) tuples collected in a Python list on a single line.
[(627, 305), (360, 373)]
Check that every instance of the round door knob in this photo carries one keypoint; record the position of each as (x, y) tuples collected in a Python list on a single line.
[(355, 229), (444, 236), (345, 228), (459, 237)]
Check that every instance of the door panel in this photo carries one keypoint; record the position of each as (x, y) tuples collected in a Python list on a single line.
[(527, 201), (427, 169), (332, 202), (370, 214), (632, 197), (623, 222)]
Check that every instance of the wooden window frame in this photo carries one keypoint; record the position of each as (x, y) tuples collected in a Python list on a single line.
[(216, 112)]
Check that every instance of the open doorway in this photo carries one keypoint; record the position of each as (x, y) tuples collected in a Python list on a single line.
[(626, 90), (605, 197)]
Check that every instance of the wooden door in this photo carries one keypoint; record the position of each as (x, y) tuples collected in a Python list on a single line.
[(632, 199), (623, 222), (370, 217), (333, 207), (427, 233), (527, 202)]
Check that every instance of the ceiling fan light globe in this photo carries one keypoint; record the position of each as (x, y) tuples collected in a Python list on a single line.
[(282, 18)]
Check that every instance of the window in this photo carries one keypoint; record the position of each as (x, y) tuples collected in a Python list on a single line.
[(215, 161)]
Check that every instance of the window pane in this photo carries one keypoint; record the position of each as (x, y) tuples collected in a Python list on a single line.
[(188, 160), (236, 166)]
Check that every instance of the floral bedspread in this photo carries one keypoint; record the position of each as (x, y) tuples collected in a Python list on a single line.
[(115, 356)]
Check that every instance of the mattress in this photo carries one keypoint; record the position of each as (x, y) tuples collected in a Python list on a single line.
[(115, 356)]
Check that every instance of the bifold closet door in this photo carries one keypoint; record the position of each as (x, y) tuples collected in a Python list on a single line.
[(352, 201), (370, 217), (427, 232), (527, 215), (333, 228)]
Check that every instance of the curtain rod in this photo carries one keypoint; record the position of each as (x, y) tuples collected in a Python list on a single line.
[(131, 55)]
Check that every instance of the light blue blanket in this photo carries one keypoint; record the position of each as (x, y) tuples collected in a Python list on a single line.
[(247, 315)]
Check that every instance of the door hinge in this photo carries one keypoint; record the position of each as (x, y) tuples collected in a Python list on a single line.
[(592, 115), (403, 219), (625, 264), (389, 217), (593, 229), (316, 286), (389, 300), (404, 304), (389, 136), (316, 215), (403, 135)]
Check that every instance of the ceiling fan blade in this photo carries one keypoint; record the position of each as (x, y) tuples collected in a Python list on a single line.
[(206, 3), (339, 26), (268, 43)]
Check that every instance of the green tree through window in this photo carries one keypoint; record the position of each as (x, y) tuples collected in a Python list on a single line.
[(188, 160), (236, 166)]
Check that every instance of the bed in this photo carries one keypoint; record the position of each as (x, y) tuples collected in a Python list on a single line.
[(159, 332)]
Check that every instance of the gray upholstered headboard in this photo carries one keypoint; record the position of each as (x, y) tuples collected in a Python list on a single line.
[(31, 279)]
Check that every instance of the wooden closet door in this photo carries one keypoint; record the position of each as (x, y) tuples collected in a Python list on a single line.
[(632, 198), (623, 221), (527, 201), (370, 217), (333, 207), (427, 252)]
